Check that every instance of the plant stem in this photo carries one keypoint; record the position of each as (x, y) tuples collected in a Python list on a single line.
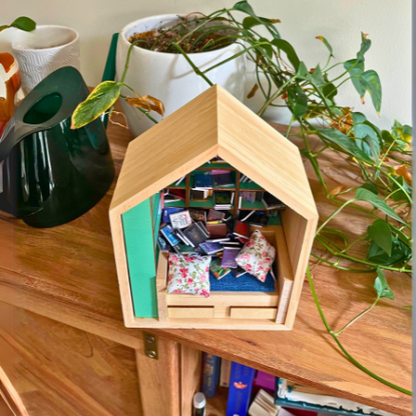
[(357, 317), (126, 66), (194, 67), (350, 358), (335, 213)]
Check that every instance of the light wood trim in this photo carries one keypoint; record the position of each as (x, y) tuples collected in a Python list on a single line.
[(190, 312), (159, 380), (225, 298), (214, 323), (120, 255), (253, 313), (296, 230), (162, 271), (191, 371)]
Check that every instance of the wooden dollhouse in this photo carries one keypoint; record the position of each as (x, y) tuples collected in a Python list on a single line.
[(213, 124)]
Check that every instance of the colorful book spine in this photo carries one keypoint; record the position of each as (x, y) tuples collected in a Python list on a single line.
[(241, 382), (210, 374)]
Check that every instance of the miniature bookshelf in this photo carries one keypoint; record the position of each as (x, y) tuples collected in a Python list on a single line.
[(187, 185), (213, 124)]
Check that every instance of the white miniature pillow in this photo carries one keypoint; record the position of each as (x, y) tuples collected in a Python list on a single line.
[(189, 274), (257, 256)]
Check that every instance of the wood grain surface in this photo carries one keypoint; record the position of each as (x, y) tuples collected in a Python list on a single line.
[(68, 274)]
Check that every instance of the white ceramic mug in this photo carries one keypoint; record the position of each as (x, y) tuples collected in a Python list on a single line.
[(168, 76), (43, 51)]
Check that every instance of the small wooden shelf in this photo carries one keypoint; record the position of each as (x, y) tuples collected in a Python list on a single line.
[(176, 204), (250, 186), (252, 206), (202, 204), (181, 185)]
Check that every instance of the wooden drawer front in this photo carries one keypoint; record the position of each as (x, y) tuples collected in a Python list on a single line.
[(189, 312), (253, 313)]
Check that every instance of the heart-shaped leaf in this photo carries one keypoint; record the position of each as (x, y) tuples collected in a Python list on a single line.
[(250, 22), (365, 46), (345, 142), (367, 196), (326, 43), (298, 101), (100, 100), (24, 23), (355, 69), (373, 86), (380, 285), (287, 48), (380, 233)]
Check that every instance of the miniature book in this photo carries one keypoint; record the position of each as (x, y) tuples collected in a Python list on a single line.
[(228, 258), (180, 219), (217, 270), (211, 248), (217, 230), (241, 229), (169, 235), (195, 234)]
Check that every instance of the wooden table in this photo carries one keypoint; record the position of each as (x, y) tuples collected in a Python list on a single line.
[(59, 293)]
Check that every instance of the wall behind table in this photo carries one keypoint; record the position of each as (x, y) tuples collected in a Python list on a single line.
[(388, 23)]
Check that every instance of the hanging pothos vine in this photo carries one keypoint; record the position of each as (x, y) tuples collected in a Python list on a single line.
[(382, 156)]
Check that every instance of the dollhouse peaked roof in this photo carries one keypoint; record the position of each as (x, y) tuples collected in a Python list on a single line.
[(213, 124)]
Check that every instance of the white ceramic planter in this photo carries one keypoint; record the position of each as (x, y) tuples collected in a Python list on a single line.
[(168, 76), (43, 51)]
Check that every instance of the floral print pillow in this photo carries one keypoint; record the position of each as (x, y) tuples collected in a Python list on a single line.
[(189, 274), (257, 256)]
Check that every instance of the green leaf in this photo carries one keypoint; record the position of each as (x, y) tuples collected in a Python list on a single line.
[(24, 23), (365, 46), (380, 233), (287, 48), (243, 6), (380, 285), (250, 21), (371, 187), (298, 101), (356, 68), (399, 194), (400, 253), (4, 27), (302, 71), (100, 100), (267, 48), (367, 196), (329, 90), (370, 134), (373, 86), (317, 77), (345, 142), (408, 308), (326, 43)]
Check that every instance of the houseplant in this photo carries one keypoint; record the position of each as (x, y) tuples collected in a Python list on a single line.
[(164, 73), (381, 157)]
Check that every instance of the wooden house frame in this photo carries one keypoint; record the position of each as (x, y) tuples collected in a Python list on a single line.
[(213, 124)]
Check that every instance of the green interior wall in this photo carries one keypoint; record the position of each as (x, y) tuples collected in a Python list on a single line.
[(139, 224)]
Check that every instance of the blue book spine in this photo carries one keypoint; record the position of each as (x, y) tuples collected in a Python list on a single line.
[(210, 374), (241, 383)]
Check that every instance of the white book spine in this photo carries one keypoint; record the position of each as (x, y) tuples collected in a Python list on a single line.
[(225, 373)]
